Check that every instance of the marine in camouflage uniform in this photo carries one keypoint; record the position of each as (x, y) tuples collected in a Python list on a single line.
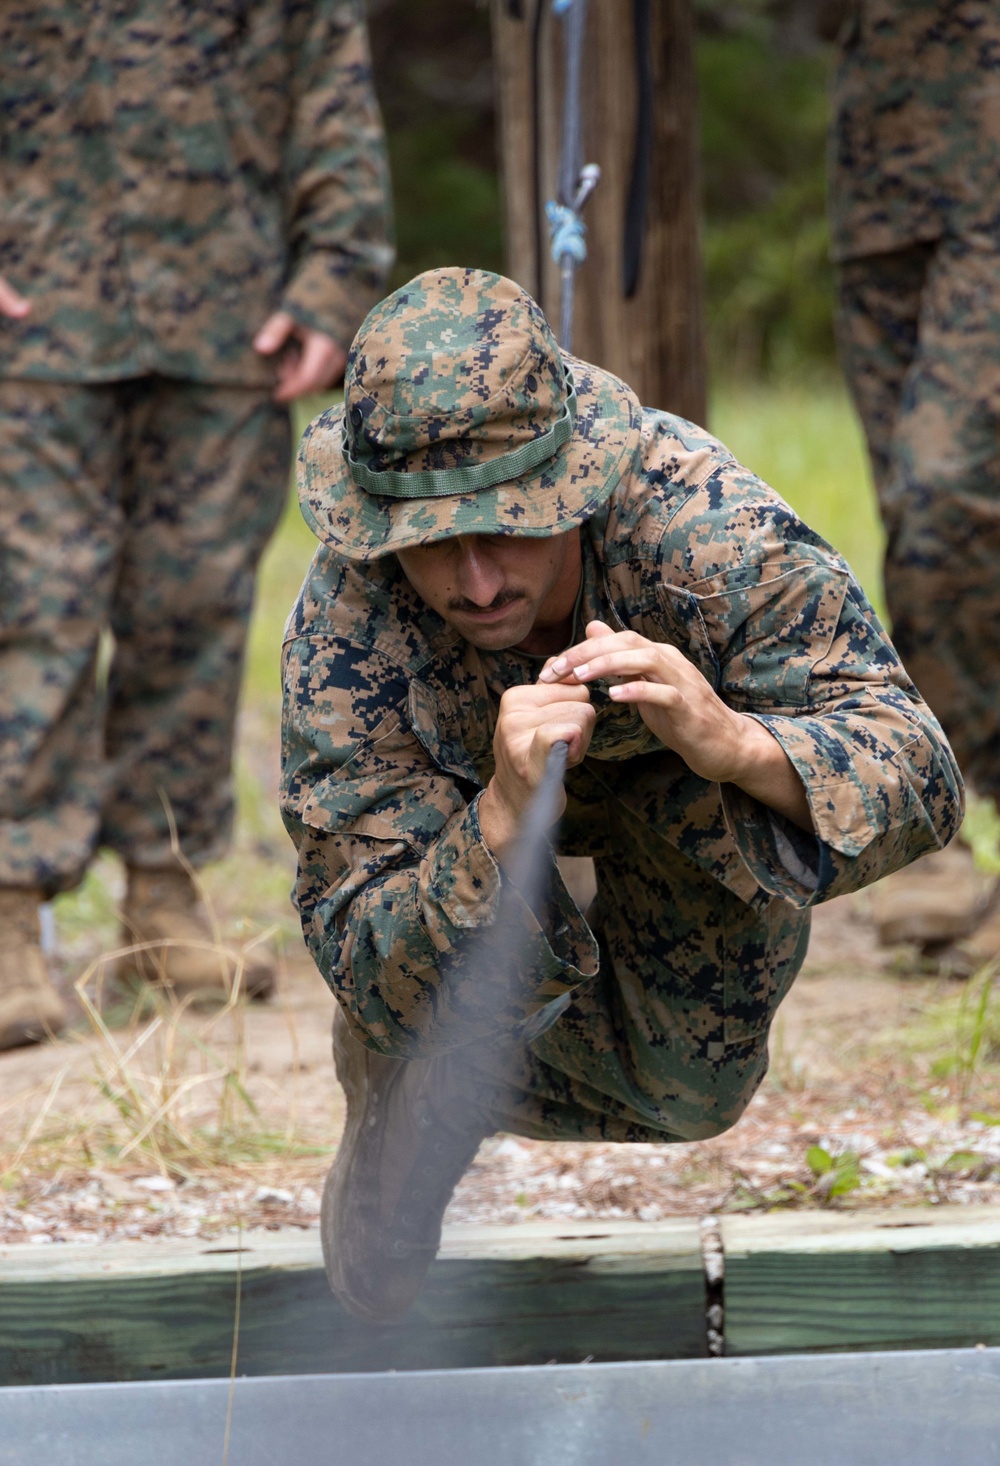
[(646, 1017), (172, 175), (915, 219)]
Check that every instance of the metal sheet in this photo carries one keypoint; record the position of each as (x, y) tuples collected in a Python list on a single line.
[(926, 1408)]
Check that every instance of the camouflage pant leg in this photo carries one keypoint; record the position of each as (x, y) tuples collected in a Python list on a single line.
[(143, 506), (206, 476), (669, 1042), (920, 337), (60, 527)]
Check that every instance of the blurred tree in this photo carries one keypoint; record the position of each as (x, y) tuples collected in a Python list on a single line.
[(762, 74), (434, 76)]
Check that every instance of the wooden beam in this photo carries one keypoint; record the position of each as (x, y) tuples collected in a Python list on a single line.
[(523, 1294), (906, 1279), (503, 1295), (655, 338)]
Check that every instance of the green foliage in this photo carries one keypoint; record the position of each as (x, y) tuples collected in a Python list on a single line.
[(447, 207), (764, 117), (836, 1175)]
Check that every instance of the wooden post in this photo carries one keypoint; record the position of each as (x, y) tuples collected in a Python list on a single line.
[(655, 339)]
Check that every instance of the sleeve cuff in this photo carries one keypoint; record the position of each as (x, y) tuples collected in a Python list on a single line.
[(463, 881), (333, 293)]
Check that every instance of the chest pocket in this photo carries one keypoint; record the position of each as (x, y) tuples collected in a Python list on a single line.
[(774, 629), (681, 622)]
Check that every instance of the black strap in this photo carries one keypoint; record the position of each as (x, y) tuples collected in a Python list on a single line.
[(638, 188)]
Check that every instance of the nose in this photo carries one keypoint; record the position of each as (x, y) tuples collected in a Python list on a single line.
[(479, 574)]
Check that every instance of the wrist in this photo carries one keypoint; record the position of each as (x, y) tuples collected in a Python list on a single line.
[(498, 823), (752, 751)]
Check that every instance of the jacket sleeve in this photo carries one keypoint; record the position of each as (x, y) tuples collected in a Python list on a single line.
[(798, 647), (337, 175), (395, 885)]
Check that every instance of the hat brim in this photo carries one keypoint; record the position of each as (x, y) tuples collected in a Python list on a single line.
[(554, 497)]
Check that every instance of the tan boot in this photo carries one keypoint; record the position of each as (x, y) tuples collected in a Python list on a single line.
[(30, 1008), (413, 1128), (938, 899), (181, 951), (982, 945)]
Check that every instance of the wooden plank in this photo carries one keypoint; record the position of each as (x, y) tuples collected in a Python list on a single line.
[(527, 1294), (655, 338), (904, 1279)]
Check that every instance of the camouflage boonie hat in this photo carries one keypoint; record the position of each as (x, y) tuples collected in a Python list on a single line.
[(462, 416)]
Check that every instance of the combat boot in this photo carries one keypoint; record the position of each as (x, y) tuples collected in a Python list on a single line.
[(413, 1128), (974, 951), (937, 900), (30, 1008), (180, 950)]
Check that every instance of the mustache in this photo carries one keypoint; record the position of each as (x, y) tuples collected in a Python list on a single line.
[(503, 598)]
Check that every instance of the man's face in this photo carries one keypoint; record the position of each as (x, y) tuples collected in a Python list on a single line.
[(500, 590)]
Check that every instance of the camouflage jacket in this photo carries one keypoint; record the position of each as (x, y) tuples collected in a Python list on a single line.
[(171, 172), (389, 718), (915, 138)]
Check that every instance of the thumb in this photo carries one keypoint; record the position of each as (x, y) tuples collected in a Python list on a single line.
[(274, 333), (12, 304), (599, 628)]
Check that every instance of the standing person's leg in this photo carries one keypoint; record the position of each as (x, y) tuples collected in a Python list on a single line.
[(60, 530), (942, 507), (207, 476), (891, 351)]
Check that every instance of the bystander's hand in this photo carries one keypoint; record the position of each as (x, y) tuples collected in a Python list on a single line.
[(11, 304), (309, 360), (686, 714), (531, 720)]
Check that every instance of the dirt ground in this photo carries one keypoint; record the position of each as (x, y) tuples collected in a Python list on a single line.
[(883, 1088)]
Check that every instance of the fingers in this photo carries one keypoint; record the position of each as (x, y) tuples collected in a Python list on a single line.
[(11, 303), (274, 333), (320, 363), (601, 640), (653, 694), (533, 719)]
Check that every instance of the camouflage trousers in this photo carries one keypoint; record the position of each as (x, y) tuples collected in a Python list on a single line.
[(919, 334), (139, 508), (669, 1041)]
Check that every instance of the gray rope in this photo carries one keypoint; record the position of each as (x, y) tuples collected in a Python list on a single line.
[(576, 181)]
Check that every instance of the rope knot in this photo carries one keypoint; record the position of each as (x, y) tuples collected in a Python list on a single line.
[(567, 232)]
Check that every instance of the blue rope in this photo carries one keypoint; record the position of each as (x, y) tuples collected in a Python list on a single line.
[(567, 232)]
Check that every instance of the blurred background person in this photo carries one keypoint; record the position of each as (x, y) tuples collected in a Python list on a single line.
[(194, 221), (915, 225)]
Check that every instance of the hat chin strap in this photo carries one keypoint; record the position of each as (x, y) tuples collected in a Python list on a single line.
[(467, 479)]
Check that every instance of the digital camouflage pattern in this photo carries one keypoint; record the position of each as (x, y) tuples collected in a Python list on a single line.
[(920, 343), (915, 138), (915, 193), (173, 172), (647, 1018), (456, 376), (143, 506)]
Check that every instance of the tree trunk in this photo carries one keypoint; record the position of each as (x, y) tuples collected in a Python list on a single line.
[(655, 338)]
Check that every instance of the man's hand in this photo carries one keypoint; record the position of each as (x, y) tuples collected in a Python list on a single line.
[(531, 721), (310, 361), (11, 304), (686, 714)]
